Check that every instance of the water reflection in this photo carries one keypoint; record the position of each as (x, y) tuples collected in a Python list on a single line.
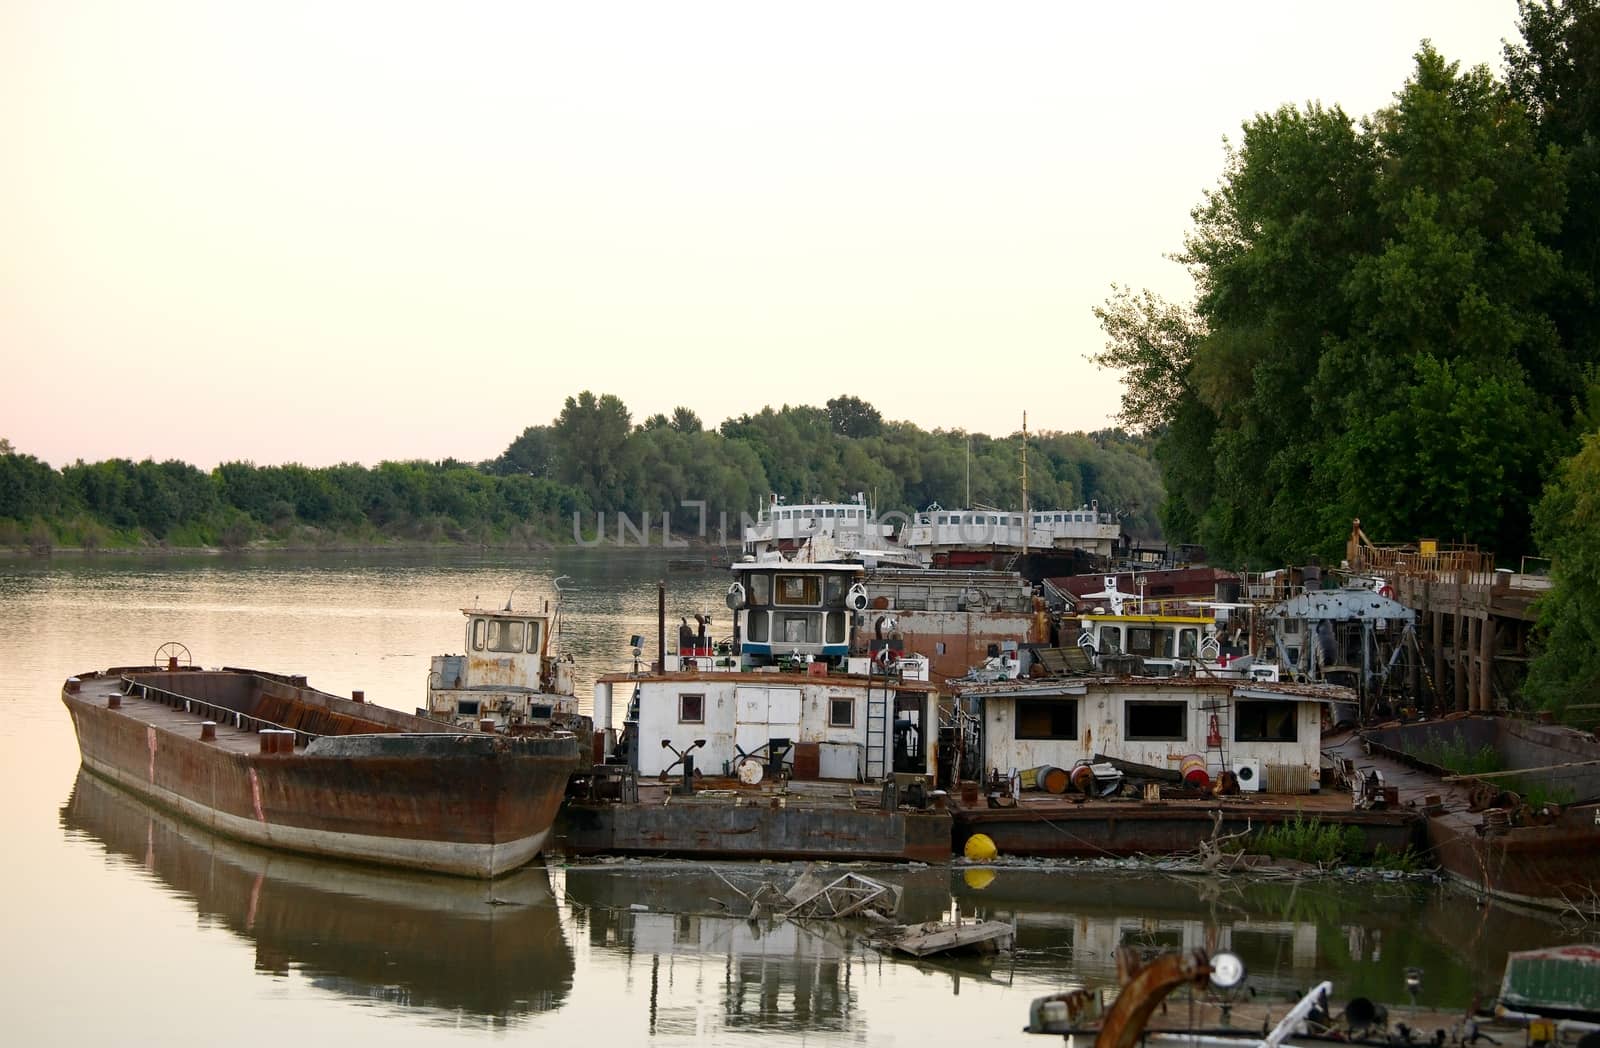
[(1291, 933), (1069, 924), (490, 949)]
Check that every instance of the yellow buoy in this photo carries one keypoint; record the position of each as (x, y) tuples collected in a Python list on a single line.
[(980, 848), (978, 879)]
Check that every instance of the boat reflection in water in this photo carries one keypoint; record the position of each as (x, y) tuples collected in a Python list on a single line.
[(493, 949), (774, 976), (1290, 933)]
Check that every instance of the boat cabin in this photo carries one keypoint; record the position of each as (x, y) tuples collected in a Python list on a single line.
[(507, 676), (1086, 528), (859, 726), (819, 531), (1269, 735), (788, 610)]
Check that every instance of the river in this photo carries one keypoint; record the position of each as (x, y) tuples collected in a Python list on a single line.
[(125, 926)]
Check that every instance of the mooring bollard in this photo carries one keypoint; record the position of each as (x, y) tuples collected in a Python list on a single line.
[(486, 724), (113, 701), (73, 684), (358, 696), (208, 731)]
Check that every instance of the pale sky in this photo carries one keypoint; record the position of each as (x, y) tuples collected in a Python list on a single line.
[(324, 232)]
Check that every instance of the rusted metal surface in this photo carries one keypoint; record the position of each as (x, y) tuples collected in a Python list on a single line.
[(1144, 987), (452, 803), (444, 942), (1059, 828), (1545, 855), (756, 825)]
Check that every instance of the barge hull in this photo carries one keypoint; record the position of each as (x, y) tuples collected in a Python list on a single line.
[(474, 805), (1088, 830), (752, 832)]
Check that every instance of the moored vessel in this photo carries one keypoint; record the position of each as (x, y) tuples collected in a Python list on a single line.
[(264, 758)]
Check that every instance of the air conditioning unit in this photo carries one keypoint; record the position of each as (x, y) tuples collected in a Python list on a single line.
[(1249, 775)]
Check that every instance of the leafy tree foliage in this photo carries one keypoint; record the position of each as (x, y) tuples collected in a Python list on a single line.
[(853, 417), (1567, 668), (1375, 332)]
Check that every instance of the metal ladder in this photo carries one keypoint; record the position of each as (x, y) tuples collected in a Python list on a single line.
[(877, 731)]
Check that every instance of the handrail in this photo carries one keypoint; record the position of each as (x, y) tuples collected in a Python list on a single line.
[(220, 714)]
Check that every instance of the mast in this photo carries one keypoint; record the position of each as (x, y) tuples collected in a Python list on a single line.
[(1024, 483), (968, 503)]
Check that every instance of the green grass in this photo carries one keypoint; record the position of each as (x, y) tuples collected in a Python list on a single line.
[(1309, 840), (1455, 756)]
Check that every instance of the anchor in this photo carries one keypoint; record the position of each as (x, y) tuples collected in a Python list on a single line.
[(685, 757)]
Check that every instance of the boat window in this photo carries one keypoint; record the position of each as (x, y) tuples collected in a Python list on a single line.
[(467, 708), (533, 635), (691, 709), (1141, 641), (1188, 643), (757, 622), (505, 636), (833, 590), (841, 713), (1266, 722), (1047, 718), (801, 629), (1110, 641), (1157, 721), (828, 513), (1291, 627), (477, 634), (799, 589), (760, 587), (836, 628)]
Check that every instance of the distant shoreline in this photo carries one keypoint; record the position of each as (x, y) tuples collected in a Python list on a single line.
[(694, 546)]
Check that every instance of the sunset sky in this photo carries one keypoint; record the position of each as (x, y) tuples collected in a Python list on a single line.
[(324, 232)]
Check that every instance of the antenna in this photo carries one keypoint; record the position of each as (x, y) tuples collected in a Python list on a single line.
[(1024, 483), (510, 595)]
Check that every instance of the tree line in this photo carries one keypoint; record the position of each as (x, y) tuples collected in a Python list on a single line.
[(1395, 320), (591, 459)]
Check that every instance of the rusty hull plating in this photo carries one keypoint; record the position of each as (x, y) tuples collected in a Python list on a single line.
[(358, 782)]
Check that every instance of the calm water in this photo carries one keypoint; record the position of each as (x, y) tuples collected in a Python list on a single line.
[(124, 925)]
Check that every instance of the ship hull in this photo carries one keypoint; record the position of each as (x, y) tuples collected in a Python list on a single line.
[(468, 804)]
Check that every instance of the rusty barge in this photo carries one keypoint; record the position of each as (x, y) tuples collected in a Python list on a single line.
[(1529, 833), (264, 758)]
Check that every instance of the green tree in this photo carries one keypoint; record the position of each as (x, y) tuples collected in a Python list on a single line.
[(1567, 667), (853, 417)]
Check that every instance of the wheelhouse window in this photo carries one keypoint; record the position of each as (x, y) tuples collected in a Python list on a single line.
[(841, 712), (1156, 722), (802, 629), (799, 589), (835, 628), (1047, 718), (760, 589), (477, 634), (505, 636), (758, 624), (1266, 722), (691, 709), (833, 588), (1149, 642)]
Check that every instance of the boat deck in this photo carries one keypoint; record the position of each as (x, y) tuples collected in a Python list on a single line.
[(240, 735), (1413, 784)]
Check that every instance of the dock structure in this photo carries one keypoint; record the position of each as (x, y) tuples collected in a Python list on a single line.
[(1475, 617)]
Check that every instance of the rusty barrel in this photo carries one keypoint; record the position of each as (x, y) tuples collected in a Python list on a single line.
[(1193, 771)]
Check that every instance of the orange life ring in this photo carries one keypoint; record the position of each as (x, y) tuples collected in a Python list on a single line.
[(1386, 590), (886, 657)]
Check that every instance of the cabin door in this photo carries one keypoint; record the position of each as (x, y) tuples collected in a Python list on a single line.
[(763, 714)]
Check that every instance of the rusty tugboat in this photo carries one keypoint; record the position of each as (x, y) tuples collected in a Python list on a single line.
[(264, 758)]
